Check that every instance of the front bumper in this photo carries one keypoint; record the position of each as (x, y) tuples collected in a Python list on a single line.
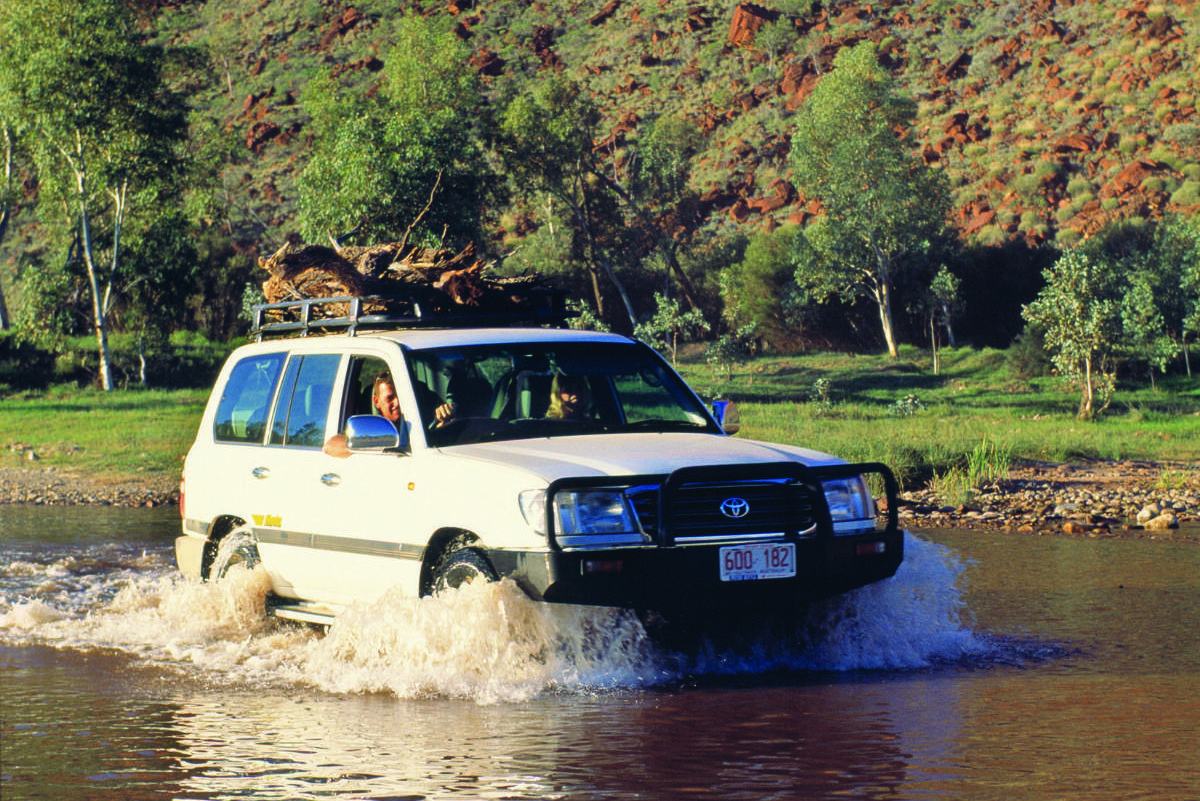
[(687, 578)]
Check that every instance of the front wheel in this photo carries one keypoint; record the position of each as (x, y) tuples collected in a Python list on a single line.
[(237, 548), (461, 567)]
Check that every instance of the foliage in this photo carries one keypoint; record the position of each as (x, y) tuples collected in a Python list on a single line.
[(759, 290), (1080, 312), (883, 207), (1160, 301), (379, 159), (907, 406), (545, 143), (89, 98), (664, 159), (669, 323), (731, 349)]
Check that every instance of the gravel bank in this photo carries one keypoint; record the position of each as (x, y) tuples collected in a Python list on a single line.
[(50, 486), (1097, 499)]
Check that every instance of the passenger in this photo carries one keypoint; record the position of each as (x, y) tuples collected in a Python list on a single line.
[(570, 398)]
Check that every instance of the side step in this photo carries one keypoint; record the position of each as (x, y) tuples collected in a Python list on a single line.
[(301, 612)]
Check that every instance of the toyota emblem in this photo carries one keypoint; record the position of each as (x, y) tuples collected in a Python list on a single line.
[(735, 508)]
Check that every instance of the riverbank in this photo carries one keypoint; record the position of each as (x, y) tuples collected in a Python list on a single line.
[(1095, 499), (1133, 499), (52, 486)]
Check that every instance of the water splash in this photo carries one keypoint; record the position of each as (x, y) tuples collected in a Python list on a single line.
[(488, 643)]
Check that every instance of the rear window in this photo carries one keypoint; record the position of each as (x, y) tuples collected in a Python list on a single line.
[(303, 403), (242, 410)]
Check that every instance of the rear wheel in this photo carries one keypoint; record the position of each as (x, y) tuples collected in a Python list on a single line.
[(236, 549), (461, 567)]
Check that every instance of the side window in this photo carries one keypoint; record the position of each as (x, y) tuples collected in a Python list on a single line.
[(242, 410), (360, 387), (303, 402)]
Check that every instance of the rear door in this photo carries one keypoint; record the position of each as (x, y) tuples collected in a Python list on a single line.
[(339, 538)]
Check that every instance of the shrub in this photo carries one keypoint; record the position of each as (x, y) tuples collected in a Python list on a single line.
[(1078, 186), (1067, 237), (1184, 133), (1026, 357), (1187, 195), (907, 406)]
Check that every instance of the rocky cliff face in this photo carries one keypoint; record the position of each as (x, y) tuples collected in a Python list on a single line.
[(1052, 118)]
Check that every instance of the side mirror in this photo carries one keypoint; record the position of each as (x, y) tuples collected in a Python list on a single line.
[(726, 414), (368, 432)]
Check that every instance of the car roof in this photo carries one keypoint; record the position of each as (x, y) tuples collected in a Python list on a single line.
[(422, 338)]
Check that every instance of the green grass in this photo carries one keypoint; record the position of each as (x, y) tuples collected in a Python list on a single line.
[(117, 435), (973, 419)]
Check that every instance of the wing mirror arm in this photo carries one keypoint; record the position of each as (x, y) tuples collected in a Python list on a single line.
[(725, 412)]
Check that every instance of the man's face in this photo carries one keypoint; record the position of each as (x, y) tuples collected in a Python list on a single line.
[(386, 401)]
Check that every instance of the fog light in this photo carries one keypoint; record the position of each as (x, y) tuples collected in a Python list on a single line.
[(868, 548), (591, 566)]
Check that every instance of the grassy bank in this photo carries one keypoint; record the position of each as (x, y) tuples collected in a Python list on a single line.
[(974, 415), (925, 425), (117, 435)]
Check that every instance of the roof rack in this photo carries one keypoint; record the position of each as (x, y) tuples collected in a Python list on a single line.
[(351, 314)]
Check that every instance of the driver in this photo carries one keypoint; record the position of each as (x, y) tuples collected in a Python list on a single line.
[(385, 401)]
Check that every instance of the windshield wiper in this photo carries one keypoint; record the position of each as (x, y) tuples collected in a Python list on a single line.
[(658, 424)]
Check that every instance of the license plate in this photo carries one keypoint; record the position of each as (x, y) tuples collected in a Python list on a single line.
[(758, 561)]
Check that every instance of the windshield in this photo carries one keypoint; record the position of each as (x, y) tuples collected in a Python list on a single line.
[(494, 392)]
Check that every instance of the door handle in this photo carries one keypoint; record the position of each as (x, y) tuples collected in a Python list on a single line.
[(331, 479), (261, 472)]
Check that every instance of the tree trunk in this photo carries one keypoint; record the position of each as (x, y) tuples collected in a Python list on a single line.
[(949, 327), (882, 281), (1085, 403), (5, 214), (933, 338), (99, 313), (884, 297)]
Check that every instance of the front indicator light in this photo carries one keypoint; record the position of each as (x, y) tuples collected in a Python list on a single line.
[(593, 566)]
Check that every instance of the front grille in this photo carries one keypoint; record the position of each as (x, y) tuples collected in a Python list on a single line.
[(772, 507)]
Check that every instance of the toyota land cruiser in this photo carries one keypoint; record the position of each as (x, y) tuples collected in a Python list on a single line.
[(641, 499)]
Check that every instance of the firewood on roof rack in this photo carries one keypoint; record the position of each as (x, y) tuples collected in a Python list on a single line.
[(312, 287)]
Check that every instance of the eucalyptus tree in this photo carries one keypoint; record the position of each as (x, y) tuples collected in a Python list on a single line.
[(405, 159), (546, 142), (87, 96), (1080, 311), (883, 208)]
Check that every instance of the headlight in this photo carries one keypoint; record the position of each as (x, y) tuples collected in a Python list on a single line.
[(850, 505), (584, 518), (593, 512)]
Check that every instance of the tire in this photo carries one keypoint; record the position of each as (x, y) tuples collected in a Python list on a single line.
[(461, 567), (236, 549)]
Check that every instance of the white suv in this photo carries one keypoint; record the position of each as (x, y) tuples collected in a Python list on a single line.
[(642, 500)]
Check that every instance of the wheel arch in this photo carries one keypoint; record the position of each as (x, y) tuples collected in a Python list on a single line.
[(443, 541), (220, 528)]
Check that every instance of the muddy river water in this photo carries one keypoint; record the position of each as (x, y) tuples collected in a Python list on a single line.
[(993, 666)]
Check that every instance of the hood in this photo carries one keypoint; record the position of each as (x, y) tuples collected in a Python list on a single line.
[(631, 454)]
